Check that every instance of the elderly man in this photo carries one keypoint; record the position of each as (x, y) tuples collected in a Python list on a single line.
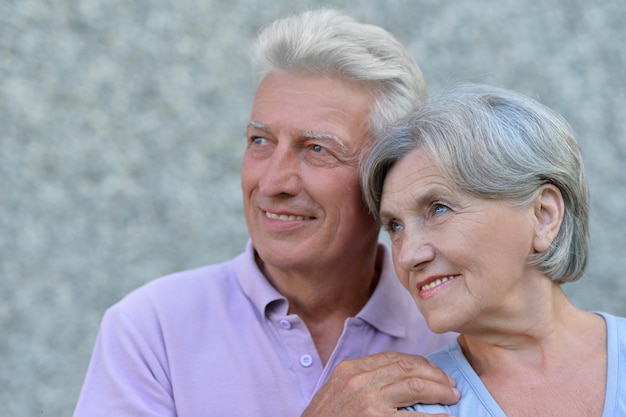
[(310, 320)]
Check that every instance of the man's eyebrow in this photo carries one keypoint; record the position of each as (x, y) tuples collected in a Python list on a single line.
[(259, 125), (308, 134), (324, 136)]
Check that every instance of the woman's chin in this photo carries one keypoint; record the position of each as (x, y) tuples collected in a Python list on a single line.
[(441, 323)]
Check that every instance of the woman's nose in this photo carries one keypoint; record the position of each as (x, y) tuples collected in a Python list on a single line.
[(413, 252)]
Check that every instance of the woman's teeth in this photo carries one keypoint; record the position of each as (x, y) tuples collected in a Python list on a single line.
[(435, 283)]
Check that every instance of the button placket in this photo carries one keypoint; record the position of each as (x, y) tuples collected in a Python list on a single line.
[(303, 359)]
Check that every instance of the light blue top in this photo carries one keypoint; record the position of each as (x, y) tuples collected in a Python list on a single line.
[(477, 401)]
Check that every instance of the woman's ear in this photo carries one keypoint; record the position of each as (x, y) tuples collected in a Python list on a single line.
[(548, 211)]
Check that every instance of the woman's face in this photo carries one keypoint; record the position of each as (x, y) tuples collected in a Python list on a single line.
[(463, 258)]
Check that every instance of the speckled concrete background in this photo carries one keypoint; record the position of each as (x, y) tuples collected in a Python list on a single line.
[(121, 129)]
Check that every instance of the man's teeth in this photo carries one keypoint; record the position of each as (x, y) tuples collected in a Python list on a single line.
[(436, 282), (285, 217)]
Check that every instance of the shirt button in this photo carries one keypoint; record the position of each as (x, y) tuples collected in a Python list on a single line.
[(285, 324), (306, 360)]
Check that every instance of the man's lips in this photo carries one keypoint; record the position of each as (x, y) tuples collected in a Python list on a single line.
[(286, 217)]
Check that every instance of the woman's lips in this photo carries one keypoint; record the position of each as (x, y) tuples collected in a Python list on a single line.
[(431, 284)]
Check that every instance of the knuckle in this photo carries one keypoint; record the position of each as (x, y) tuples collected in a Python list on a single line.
[(344, 368), (346, 373), (411, 365), (416, 385), (406, 366), (390, 356)]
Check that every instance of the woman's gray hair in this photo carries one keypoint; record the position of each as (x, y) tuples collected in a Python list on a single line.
[(327, 43), (496, 144)]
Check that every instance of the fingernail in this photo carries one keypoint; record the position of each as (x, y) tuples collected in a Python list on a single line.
[(452, 381), (457, 393)]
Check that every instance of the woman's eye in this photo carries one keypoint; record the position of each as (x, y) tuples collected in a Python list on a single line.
[(393, 227), (438, 209)]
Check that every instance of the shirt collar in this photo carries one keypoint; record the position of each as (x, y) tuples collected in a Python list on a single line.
[(255, 285), (386, 309)]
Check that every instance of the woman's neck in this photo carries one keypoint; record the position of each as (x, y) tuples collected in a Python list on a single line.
[(553, 366)]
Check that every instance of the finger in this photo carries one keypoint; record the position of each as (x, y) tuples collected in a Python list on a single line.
[(402, 380), (414, 366), (418, 414), (412, 390), (375, 361), (393, 365)]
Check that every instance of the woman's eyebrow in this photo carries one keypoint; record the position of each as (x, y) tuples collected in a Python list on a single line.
[(420, 201)]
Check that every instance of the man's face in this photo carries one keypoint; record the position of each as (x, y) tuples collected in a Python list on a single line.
[(300, 181)]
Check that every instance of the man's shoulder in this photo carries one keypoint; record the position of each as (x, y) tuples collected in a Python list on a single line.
[(183, 290)]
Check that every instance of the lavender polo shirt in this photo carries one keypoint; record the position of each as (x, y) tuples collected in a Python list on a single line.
[(217, 341)]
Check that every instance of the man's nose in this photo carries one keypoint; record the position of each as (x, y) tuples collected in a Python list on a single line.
[(282, 173)]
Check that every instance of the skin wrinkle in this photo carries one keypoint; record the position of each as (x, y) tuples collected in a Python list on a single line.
[(510, 315), (301, 159), (409, 194)]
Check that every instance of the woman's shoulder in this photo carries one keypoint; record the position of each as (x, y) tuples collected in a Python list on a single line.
[(613, 321)]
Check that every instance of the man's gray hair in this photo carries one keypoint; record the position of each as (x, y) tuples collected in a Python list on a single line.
[(328, 43)]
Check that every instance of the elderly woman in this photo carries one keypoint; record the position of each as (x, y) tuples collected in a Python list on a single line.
[(484, 198)]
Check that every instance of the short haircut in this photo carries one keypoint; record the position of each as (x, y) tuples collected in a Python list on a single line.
[(496, 144), (328, 43)]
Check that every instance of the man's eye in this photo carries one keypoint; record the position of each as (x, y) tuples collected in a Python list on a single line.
[(318, 148), (258, 140)]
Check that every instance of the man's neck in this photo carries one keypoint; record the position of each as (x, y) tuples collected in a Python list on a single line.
[(325, 296)]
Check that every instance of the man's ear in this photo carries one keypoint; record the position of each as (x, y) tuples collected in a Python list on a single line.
[(549, 209)]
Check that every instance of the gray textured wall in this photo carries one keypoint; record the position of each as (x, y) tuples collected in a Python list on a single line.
[(121, 128)]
